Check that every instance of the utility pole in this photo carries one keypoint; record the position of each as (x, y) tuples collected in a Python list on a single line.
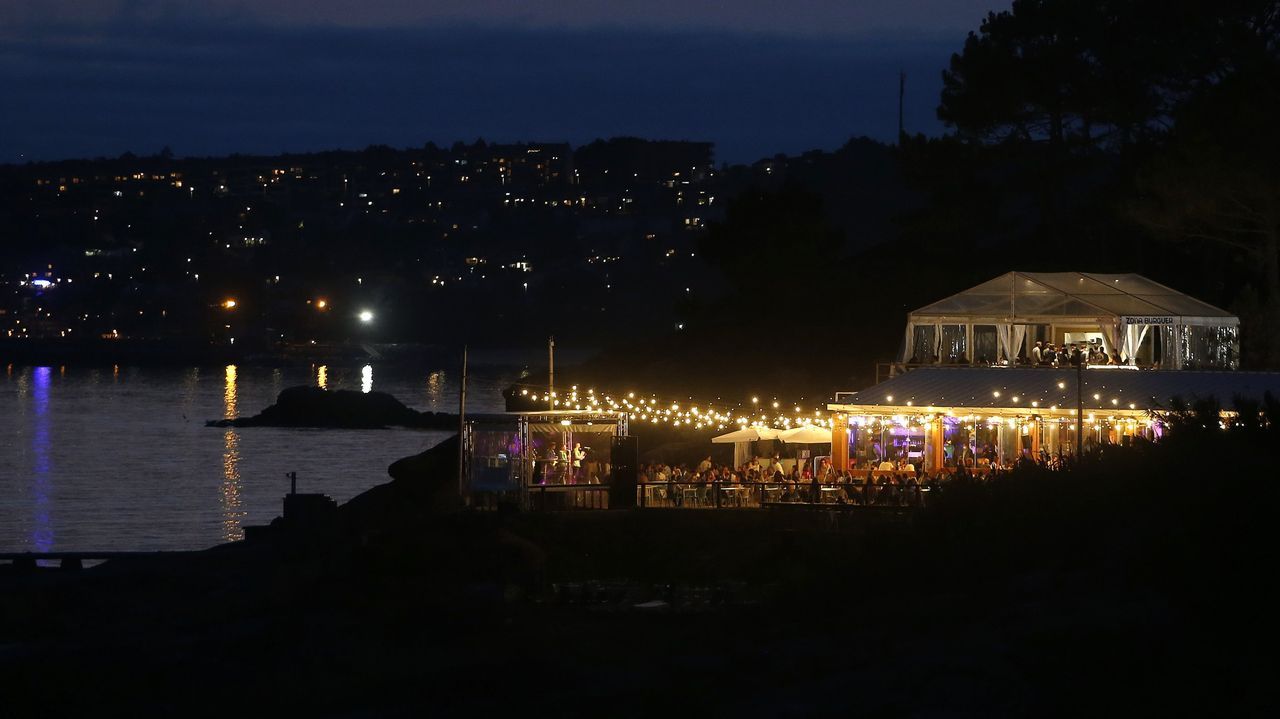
[(551, 371), (902, 90), (462, 424)]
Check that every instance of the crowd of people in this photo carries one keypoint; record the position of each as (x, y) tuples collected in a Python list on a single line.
[(560, 464), (1043, 354), (1048, 354), (890, 483)]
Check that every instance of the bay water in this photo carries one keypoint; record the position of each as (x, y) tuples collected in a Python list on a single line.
[(119, 458)]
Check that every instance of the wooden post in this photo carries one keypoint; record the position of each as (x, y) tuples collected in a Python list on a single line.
[(1079, 410), (939, 454), (462, 424)]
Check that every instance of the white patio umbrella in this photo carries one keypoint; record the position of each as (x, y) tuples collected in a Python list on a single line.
[(747, 434), (741, 439), (806, 434)]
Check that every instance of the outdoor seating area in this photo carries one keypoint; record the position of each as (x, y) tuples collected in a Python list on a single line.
[(1058, 376)]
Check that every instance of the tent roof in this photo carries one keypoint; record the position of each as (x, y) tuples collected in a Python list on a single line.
[(1026, 295), (996, 388)]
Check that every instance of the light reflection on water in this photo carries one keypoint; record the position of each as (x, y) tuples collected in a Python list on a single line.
[(435, 390), (42, 527), (366, 379), (322, 377), (231, 511), (98, 461)]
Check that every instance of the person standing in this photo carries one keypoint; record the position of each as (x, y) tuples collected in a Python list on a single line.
[(1036, 353), (579, 454), (549, 465), (562, 463)]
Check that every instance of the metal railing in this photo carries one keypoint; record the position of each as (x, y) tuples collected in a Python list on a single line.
[(733, 495), (868, 488), (550, 497)]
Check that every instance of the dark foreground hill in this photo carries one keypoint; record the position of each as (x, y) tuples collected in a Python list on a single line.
[(1137, 584)]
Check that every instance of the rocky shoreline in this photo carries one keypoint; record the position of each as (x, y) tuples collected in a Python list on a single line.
[(340, 409)]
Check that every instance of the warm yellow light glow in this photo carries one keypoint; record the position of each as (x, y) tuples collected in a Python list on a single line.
[(232, 512), (321, 304), (229, 304)]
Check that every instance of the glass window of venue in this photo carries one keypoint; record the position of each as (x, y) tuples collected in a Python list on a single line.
[(1055, 438), (954, 344), (864, 446), (957, 448), (872, 441), (907, 441), (1015, 441), (986, 442), (493, 463)]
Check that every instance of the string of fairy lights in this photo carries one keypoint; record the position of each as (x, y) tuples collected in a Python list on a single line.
[(774, 414), (690, 413), (1023, 423)]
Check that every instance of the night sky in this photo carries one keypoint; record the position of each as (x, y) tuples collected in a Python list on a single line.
[(86, 78)]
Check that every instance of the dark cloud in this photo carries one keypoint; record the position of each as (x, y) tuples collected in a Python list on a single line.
[(844, 18), (214, 89)]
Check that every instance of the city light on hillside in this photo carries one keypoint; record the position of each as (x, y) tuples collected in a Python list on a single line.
[(229, 304)]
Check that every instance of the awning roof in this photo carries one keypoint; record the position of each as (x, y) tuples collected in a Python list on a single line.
[(1115, 389), (1023, 296)]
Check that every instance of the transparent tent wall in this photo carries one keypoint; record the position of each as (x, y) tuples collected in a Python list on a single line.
[(1210, 347), (492, 464), (924, 344), (986, 346), (954, 345)]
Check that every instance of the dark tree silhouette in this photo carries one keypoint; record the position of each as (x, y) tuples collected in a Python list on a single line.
[(773, 239), (1217, 183), (1096, 74)]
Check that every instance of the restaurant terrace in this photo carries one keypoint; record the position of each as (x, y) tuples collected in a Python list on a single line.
[(940, 418), (1037, 367)]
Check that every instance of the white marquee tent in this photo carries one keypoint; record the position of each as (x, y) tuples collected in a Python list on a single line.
[(998, 320)]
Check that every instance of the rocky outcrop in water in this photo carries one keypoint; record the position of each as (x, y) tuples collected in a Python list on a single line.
[(341, 409)]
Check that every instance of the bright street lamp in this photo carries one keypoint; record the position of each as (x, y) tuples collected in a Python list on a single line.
[(366, 316)]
